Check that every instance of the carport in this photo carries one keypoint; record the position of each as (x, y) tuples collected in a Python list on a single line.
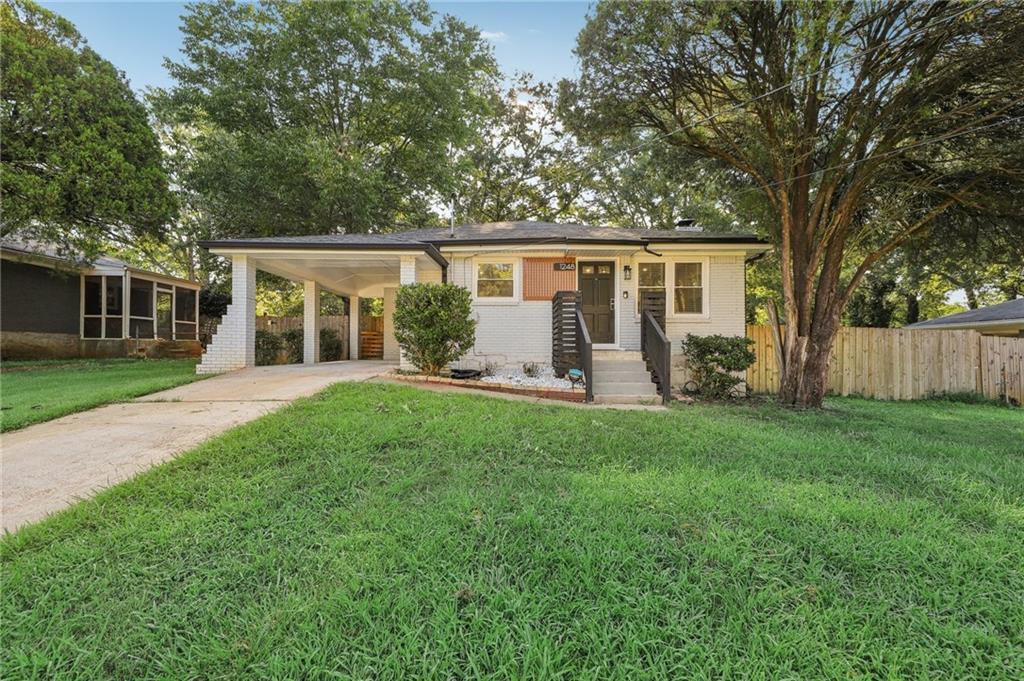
[(372, 268)]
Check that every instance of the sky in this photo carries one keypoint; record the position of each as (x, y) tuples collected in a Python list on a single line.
[(533, 37)]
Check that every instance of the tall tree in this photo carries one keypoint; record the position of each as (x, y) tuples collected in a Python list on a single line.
[(834, 111), (523, 164), (80, 162), (318, 117)]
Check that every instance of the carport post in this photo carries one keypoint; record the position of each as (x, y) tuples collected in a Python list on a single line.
[(311, 323), (406, 275), (353, 327)]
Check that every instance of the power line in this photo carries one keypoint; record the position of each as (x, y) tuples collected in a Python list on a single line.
[(891, 152)]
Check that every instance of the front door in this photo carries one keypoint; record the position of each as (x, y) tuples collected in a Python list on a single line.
[(597, 283)]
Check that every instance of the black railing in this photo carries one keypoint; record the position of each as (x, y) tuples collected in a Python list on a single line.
[(585, 351), (563, 332), (657, 352)]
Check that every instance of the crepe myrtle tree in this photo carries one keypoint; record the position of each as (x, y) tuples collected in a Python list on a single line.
[(433, 324), (847, 119)]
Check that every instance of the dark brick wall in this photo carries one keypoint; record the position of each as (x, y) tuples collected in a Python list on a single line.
[(38, 299)]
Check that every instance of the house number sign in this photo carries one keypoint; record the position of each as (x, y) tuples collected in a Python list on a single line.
[(565, 267)]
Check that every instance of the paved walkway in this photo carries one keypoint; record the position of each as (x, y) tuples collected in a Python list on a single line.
[(51, 465)]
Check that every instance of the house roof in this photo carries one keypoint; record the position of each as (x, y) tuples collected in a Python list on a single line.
[(50, 256), (492, 233), (1009, 312)]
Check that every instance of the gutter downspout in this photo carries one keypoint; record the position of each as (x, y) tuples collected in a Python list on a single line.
[(647, 249)]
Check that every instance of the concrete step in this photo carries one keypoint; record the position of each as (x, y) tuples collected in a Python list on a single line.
[(647, 388), (616, 379), (616, 355), (627, 399), (604, 366)]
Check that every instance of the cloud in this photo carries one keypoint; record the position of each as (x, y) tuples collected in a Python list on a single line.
[(494, 36)]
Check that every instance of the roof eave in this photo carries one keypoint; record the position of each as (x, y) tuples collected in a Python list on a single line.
[(426, 248)]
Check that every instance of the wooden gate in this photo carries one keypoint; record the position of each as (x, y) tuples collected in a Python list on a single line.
[(371, 337)]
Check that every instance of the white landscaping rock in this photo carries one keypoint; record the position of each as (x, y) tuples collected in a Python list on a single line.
[(544, 379)]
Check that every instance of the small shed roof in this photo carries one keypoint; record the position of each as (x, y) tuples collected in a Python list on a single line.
[(1004, 313)]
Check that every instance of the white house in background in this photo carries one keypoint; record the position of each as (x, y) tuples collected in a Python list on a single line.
[(513, 270)]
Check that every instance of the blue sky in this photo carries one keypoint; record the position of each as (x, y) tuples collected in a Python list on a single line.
[(537, 37)]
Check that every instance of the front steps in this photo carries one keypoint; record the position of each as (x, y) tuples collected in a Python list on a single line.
[(621, 377)]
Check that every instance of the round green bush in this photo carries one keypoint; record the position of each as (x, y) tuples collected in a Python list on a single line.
[(433, 324)]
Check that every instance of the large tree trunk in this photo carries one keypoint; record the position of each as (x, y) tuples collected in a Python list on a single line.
[(805, 375)]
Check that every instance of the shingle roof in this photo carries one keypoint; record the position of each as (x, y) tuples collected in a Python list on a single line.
[(38, 248), (51, 256), (1008, 311), (493, 233)]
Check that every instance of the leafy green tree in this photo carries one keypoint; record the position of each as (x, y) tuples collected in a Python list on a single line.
[(632, 184), (523, 164), (80, 162), (841, 116), (319, 117)]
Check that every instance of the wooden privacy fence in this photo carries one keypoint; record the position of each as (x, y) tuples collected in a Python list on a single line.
[(906, 364), (278, 324)]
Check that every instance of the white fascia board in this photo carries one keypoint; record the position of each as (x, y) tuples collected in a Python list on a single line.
[(325, 253)]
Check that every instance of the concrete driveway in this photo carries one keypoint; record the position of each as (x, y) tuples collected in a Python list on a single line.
[(51, 465)]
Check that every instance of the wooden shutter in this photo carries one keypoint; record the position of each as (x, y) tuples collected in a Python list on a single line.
[(541, 280)]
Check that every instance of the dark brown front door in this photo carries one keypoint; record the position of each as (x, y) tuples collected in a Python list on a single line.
[(597, 282)]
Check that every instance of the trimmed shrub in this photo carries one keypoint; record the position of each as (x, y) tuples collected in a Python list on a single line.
[(330, 345), (268, 347), (713, 361), (292, 340), (433, 324)]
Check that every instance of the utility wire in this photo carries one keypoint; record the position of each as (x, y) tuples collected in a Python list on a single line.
[(782, 87), (891, 152)]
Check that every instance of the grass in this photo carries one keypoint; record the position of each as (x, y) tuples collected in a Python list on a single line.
[(32, 392), (383, 532)]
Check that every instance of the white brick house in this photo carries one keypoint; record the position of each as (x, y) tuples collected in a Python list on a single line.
[(512, 270)]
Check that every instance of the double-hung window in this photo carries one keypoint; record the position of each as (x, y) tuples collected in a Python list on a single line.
[(495, 280), (650, 277), (688, 285)]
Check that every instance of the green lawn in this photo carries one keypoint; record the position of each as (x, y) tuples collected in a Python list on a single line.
[(382, 532), (31, 392)]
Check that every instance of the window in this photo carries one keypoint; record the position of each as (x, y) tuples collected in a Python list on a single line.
[(650, 277), (495, 280), (689, 288)]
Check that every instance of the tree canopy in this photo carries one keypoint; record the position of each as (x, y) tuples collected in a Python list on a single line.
[(843, 117), (325, 117), (79, 160)]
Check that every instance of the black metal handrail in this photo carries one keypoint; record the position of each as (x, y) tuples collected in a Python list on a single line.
[(585, 351), (657, 351)]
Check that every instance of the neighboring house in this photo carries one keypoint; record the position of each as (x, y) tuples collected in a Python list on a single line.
[(513, 270), (52, 307), (1004, 319)]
